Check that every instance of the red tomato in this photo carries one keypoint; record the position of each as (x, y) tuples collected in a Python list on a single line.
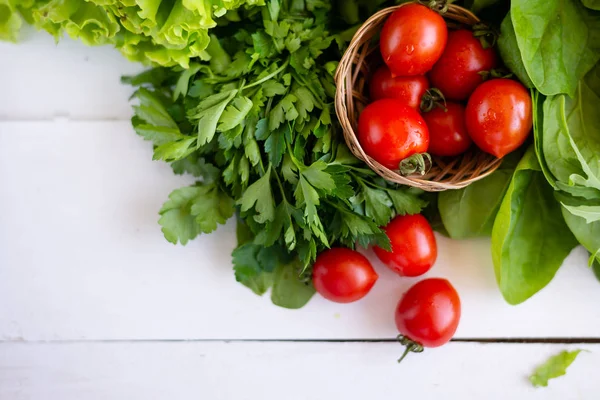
[(456, 73), (447, 130), (429, 312), (409, 89), (499, 116), (412, 40), (343, 275), (389, 131), (414, 249)]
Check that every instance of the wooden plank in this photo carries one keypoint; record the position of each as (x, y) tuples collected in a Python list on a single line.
[(220, 371), (43, 80), (82, 257)]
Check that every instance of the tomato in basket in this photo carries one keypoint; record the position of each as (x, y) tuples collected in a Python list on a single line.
[(412, 40), (447, 130), (498, 116), (390, 131), (409, 89), (458, 71)]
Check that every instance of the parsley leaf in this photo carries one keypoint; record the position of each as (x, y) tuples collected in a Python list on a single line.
[(158, 135), (260, 196), (235, 113), (212, 207), (177, 221), (378, 204), (407, 201), (192, 210), (208, 113)]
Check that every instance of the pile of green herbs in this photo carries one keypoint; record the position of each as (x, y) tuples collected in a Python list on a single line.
[(256, 124), (537, 207)]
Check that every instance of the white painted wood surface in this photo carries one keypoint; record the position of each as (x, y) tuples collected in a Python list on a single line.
[(83, 259), (291, 371)]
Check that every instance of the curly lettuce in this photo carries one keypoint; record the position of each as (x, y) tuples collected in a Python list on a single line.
[(161, 32)]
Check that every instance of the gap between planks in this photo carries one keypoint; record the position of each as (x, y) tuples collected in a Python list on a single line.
[(583, 340)]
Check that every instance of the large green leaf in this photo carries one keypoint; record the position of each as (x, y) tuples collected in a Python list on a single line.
[(530, 239), (570, 138), (288, 290), (588, 234), (510, 53), (470, 212), (559, 42)]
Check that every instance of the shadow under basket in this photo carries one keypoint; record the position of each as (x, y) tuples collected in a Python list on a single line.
[(351, 97)]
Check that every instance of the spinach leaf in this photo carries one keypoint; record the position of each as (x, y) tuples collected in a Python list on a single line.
[(587, 234), (530, 239), (570, 138), (470, 212), (288, 291), (593, 4), (510, 53), (559, 42), (553, 368), (537, 100)]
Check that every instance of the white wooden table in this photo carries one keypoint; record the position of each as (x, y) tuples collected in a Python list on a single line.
[(95, 304)]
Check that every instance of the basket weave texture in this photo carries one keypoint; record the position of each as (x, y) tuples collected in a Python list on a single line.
[(352, 96)]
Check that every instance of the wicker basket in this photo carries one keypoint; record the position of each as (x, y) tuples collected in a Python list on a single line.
[(353, 73)]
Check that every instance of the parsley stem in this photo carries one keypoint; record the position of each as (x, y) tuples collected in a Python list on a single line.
[(280, 186), (357, 169), (367, 183), (268, 77)]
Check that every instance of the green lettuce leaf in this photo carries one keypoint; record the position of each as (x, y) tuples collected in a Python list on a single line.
[(160, 32)]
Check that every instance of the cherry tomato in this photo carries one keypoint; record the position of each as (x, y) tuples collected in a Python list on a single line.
[(414, 249), (409, 89), (412, 40), (429, 312), (343, 275), (499, 116), (389, 131), (456, 73), (447, 130)]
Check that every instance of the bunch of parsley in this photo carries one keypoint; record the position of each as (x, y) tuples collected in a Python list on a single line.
[(256, 125)]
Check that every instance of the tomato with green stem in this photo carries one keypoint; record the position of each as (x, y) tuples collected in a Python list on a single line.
[(413, 39), (459, 70), (414, 248), (394, 134), (343, 275), (427, 315)]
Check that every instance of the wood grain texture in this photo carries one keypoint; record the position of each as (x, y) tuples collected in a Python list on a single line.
[(82, 257), (291, 371)]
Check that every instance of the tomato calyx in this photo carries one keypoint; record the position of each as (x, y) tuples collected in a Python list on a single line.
[(440, 6), (432, 98), (418, 163), (495, 73), (487, 35), (411, 346)]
